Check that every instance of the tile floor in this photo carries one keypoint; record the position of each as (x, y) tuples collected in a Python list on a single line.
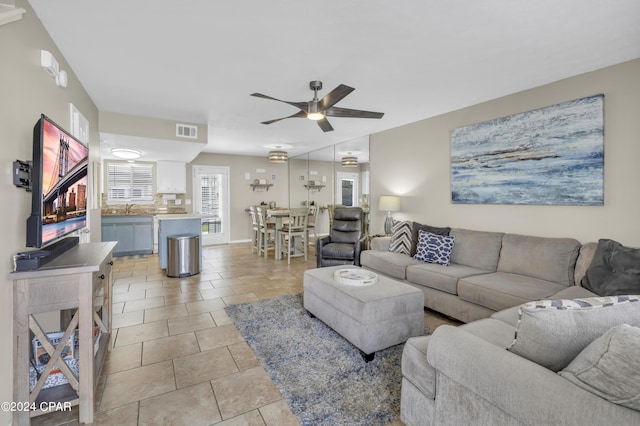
[(177, 357)]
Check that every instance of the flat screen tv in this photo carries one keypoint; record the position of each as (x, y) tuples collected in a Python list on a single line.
[(59, 184)]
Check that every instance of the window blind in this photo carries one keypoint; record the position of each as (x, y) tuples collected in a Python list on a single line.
[(130, 182), (210, 193)]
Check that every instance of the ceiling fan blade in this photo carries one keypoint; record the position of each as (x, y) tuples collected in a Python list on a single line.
[(302, 105), (335, 96), (297, 114), (353, 113), (325, 125)]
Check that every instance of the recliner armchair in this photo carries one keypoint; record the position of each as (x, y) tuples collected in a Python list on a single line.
[(344, 243)]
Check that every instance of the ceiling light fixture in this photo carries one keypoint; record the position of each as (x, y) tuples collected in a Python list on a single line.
[(278, 156), (349, 161), (126, 153)]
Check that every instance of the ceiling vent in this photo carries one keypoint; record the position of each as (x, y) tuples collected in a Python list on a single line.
[(186, 131)]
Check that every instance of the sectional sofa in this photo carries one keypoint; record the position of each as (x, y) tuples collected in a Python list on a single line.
[(488, 271), (532, 337)]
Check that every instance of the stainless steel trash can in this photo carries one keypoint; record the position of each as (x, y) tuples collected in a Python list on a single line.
[(183, 255)]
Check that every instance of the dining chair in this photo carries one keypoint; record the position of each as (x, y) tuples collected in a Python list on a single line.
[(296, 228), (256, 235), (267, 232)]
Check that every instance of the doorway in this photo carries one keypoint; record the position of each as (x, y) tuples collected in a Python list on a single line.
[(347, 189), (211, 201)]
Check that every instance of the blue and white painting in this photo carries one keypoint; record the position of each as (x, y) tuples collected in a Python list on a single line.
[(549, 156)]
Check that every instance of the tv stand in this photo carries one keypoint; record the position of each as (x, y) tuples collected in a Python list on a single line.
[(79, 280), (32, 260)]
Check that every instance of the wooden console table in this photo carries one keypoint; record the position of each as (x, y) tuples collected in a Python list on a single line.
[(78, 282)]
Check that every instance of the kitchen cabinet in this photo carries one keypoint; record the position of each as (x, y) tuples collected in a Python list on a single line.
[(133, 233), (171, 177)]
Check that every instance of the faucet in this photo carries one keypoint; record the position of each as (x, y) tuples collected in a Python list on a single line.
[(127, 208)]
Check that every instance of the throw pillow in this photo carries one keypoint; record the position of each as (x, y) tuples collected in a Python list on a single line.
[(434, 248), (417, 227), (615, 269), (610, 367), (551, 333), (401, 237)]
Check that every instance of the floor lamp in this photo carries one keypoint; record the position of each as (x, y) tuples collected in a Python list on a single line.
[(389, 203)]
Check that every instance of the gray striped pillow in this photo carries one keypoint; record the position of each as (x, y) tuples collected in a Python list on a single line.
[(401, 237)]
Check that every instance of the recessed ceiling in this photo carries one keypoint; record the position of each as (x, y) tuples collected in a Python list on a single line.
[(200, 61)]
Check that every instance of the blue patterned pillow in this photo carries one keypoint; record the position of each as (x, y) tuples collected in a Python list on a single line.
[(434, 248)]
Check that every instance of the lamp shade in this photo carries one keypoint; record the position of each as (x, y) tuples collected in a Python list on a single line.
[(278, 156), (389, 203), (349, 161)]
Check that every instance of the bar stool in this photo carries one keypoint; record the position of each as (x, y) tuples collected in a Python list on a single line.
[(311, 225), (256, 239), (267, 233), (297, 227)]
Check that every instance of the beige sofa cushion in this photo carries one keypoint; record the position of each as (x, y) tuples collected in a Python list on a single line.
[(552, 333), (387, 262), (610, 366), (443, 278), (478, 249), (550, 259), (501, 290)]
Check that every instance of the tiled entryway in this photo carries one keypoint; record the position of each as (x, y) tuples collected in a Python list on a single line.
[(177, 357)]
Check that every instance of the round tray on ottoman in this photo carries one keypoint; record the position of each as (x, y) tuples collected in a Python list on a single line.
[(357, 277)]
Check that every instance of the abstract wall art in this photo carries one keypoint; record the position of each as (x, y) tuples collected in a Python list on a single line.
[(548, 156)]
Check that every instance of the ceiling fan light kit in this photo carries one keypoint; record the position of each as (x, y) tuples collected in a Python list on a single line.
[(319, 109), (278, 157)]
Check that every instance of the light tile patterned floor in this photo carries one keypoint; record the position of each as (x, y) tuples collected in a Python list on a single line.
[(177, 357)]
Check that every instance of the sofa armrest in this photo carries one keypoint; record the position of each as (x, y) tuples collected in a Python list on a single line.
[(320, 242), (524, 390), (357, 249), (380, 243)]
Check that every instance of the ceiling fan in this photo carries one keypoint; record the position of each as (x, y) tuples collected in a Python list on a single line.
[(319, 109)]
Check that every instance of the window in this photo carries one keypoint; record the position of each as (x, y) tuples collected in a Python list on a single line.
[(130, 182)]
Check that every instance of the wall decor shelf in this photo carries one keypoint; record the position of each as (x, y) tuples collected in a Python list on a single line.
[(261, 186), (315, 187)]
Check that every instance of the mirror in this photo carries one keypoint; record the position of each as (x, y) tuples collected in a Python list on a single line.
[(352, 172), (324, 178), (298, 175), (351, 179)]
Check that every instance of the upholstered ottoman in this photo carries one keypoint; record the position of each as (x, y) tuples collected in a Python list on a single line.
[(371, 317)]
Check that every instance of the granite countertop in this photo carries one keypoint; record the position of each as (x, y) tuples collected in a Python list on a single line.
[(170, 216), (141, 213)]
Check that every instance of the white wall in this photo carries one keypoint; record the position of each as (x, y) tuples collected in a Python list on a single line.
[(26, 91), (413, 161)]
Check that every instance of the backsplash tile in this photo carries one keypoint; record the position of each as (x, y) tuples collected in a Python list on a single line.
[(158, 206)]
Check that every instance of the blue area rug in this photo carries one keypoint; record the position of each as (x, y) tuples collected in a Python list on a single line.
[(322, 376)]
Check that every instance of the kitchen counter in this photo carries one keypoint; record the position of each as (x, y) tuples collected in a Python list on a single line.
[(171, 216), (176, 224), (120, 212)]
